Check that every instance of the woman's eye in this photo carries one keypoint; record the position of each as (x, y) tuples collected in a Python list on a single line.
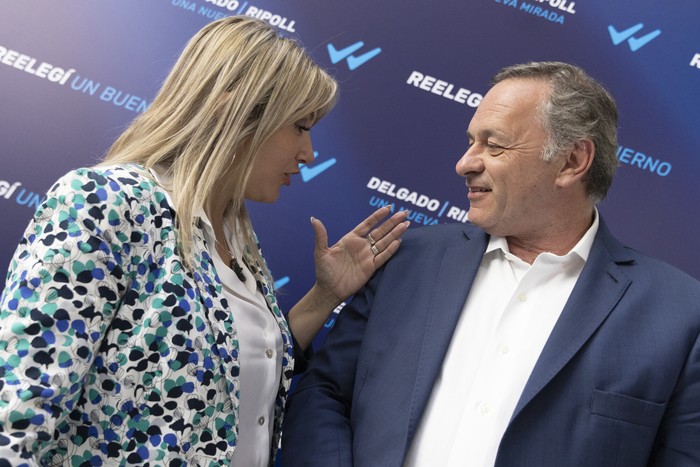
[(303, 127)]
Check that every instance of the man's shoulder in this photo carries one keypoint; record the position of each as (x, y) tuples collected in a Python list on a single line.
[(660, 272), (439, 237), (443, 231), (642, 266)]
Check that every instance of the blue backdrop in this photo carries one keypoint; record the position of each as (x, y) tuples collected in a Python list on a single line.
[(73, 74)]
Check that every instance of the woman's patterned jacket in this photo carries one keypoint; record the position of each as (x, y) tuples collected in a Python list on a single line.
[(111, 350)]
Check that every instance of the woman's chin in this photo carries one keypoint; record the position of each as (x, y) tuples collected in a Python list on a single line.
[(264, 198)]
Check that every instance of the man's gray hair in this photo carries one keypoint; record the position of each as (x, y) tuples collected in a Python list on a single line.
[(578, 107)]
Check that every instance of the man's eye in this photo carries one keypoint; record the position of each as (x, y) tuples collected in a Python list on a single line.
[(303, 127), (494, 149)]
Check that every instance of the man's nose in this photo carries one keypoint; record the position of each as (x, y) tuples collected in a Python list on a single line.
[(470, 162)]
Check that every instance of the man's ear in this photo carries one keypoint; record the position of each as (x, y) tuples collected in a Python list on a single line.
[(577, 162)]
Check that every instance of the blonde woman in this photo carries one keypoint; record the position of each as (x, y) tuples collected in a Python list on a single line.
[(139, 324)]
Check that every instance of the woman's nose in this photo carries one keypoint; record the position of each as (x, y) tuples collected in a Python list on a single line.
[(306, 154)]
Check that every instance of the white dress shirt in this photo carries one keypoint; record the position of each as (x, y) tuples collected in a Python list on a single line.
[(509, 314)]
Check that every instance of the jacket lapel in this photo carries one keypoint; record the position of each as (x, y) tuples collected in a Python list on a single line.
[(223, 337), (598, 290), (459, 265)]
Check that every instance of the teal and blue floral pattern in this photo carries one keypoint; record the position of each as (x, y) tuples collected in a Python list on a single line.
[(112, 352)]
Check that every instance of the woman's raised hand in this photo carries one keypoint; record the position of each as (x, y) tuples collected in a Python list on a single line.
[(346, 266)]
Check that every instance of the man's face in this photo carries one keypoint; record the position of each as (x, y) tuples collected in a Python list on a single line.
[(511, 188)]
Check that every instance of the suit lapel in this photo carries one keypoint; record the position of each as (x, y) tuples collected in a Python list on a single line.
[(459, 265), (598, 290)]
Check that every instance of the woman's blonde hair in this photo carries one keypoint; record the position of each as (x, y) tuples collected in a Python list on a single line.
[(236, 83)]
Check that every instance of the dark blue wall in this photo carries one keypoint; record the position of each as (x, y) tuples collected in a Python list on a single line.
[(408, 92)]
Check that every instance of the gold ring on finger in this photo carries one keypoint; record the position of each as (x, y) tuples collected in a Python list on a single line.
[(371, 240)]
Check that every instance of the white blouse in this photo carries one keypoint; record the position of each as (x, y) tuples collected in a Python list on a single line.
[(259, 350)]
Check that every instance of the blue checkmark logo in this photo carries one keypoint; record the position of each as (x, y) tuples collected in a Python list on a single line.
[(635, 43), (356, 62), (279, 283), (619, 37), (353, 61), (308, 173), (338, 55)]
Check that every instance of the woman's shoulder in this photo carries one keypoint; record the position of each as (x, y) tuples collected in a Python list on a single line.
[(105, 175), (108, 195), (104, 182)]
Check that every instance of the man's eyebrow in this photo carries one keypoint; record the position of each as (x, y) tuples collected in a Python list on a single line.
[(485, 133)]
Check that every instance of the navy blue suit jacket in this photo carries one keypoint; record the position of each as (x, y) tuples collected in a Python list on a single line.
[(617, 383)]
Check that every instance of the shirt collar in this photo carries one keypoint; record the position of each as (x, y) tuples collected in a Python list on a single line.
[(582, 249)]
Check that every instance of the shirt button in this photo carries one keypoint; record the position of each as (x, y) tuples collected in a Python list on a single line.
[(504, 349), (522, 297), (269, 353), (484, 408), (261, 421)]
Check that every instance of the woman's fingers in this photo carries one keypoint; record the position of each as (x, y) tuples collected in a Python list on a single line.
[(320, 234), (370, 222), (386, 253), (385, 237)]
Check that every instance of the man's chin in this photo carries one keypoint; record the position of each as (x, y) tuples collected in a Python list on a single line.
[(481, 221)]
